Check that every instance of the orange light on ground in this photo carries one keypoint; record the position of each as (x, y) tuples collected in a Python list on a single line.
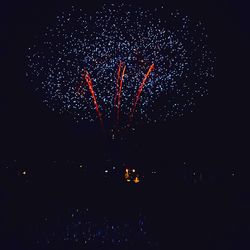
[(136, 180), (130, 175), (126, 174)]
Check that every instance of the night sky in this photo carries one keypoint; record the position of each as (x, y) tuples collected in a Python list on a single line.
[(42, 151)]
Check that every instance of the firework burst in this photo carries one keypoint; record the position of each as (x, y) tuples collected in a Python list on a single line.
[(116, 64)]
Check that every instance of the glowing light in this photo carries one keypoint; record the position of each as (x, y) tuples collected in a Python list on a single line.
[(136, 180), (126, 174)]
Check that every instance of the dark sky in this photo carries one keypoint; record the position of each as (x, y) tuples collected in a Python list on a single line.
[(216, 133)]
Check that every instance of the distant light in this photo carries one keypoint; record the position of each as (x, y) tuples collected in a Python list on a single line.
[(81, 166), (126, 176), (106, 171), (24, 172), (128, 180), (133, 170), (113, 167), (136, 180)]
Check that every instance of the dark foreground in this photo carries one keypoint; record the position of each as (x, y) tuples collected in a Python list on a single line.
[(55, 208)]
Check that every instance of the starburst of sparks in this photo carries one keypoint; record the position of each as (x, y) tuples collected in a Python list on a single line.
[(131, 57)]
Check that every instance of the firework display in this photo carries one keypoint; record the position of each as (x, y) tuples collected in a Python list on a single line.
[(116, 64)]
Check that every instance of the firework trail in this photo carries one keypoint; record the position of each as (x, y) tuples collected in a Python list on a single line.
[(140, 90), (90, 85), (118, 45), (117, 84), (119, 94)]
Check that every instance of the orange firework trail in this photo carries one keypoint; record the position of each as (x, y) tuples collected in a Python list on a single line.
[(119, 94), (119, 82), (90, 85), (79, 90), (138, 94)]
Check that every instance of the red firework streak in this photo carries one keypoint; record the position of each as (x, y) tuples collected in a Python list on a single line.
[(90, 85), (119, 83), (119, 92), (79, 90), (138, 94)]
